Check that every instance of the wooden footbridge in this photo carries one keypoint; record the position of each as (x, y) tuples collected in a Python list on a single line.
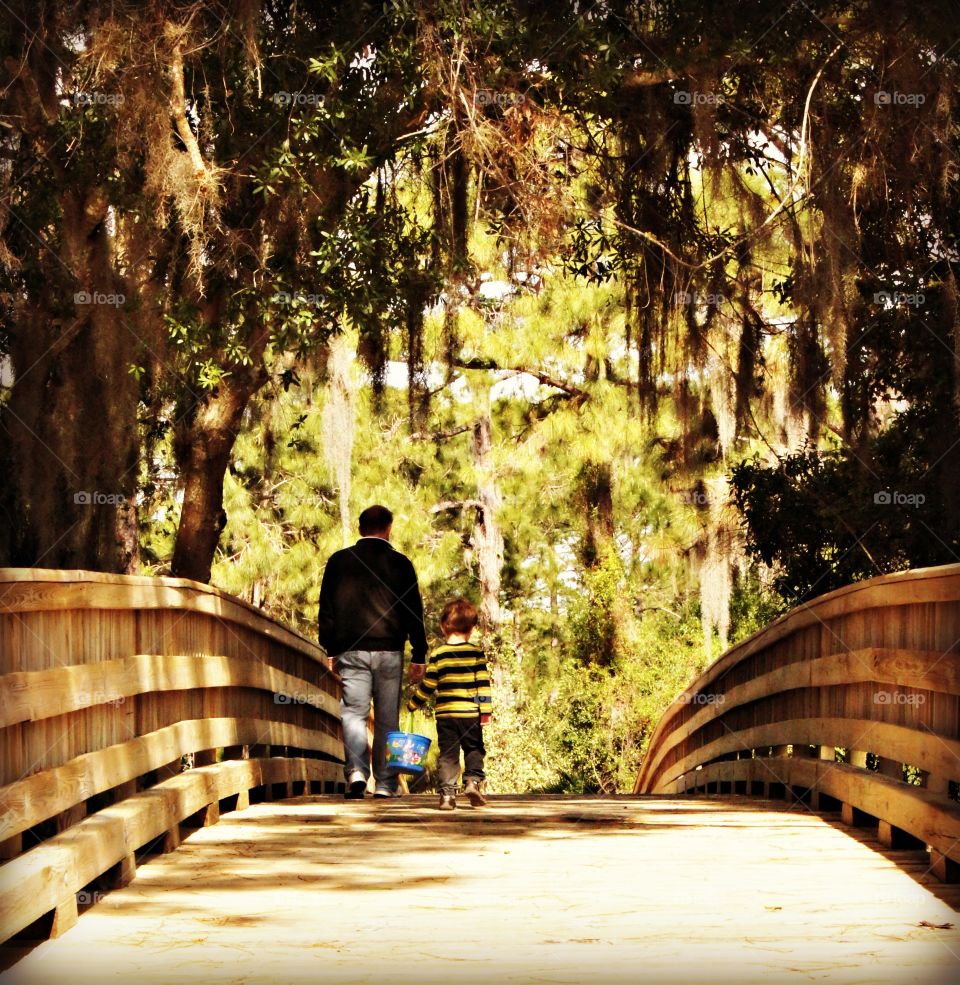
[(169, 810)]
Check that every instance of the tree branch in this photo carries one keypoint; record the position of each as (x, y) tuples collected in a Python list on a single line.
[(178, 110), (544, 378), (451, 505), (440, 435)]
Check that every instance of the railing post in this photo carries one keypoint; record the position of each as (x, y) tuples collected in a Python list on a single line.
[(124, 790), (65, 916), (69, 817), (857, 758), (126, 871), (822, 801), (171, 840), (889, 767), (936, 784), (943, 868)]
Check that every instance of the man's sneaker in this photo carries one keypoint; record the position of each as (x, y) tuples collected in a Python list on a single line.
[(383, 794), (356, 788), (472, 790), (447, 802)]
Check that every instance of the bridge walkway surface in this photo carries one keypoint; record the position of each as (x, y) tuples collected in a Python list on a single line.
[(551, 890)]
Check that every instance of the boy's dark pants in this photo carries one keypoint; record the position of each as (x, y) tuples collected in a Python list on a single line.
[(453, 735)]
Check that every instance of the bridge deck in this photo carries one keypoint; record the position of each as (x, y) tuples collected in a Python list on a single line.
[(550, 890)]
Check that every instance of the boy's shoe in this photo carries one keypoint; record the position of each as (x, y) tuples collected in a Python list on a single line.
[(474, 795), (448, 802)]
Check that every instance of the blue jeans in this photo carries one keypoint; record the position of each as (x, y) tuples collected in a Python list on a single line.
[(367, 674)]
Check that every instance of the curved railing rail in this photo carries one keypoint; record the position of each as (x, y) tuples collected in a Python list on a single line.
[(109, 686), (849, 702)]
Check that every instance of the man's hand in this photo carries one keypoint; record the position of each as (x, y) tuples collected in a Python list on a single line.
[(416, 672)]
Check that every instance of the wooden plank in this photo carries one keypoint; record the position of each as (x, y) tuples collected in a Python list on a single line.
[(37, 694), (934, 754), (933, 670), (37, 797), (40, 589), (895, 591), (36, 881)]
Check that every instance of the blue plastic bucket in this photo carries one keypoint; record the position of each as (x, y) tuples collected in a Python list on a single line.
[(406, 752)]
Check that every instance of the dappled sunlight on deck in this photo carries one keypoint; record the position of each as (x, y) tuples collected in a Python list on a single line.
[(530, 889)]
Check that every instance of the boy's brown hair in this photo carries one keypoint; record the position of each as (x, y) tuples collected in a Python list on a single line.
[(458, 616)]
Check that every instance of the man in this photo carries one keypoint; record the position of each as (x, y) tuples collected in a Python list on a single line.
[(370, 606)]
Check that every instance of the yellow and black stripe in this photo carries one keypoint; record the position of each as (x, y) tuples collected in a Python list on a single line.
[(457, 674)]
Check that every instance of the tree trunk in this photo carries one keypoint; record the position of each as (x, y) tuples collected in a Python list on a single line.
[(596, 494), (204, 446), (487, 538), (68, 435)]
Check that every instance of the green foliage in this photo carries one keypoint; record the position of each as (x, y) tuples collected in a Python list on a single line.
[(821, 521), (601, 719), (599, 577), (597, 612)]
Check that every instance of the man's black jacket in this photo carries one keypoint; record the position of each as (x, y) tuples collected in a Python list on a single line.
[(370, 600)]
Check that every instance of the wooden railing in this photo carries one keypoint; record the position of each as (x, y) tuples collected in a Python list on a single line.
[(850, 702), (110, 687)]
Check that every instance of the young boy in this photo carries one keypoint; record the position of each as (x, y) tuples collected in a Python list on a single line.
[(457, 674)]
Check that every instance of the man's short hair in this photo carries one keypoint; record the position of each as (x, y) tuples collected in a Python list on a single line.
[(458, 616), (375, 520)]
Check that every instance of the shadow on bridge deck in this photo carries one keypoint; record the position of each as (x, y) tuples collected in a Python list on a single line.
[(558, 890)]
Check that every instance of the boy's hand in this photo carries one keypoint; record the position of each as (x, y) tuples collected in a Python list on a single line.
[(485, 718), (416, 672)]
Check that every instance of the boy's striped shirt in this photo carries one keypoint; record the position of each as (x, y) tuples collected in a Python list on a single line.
[(457, 674)]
